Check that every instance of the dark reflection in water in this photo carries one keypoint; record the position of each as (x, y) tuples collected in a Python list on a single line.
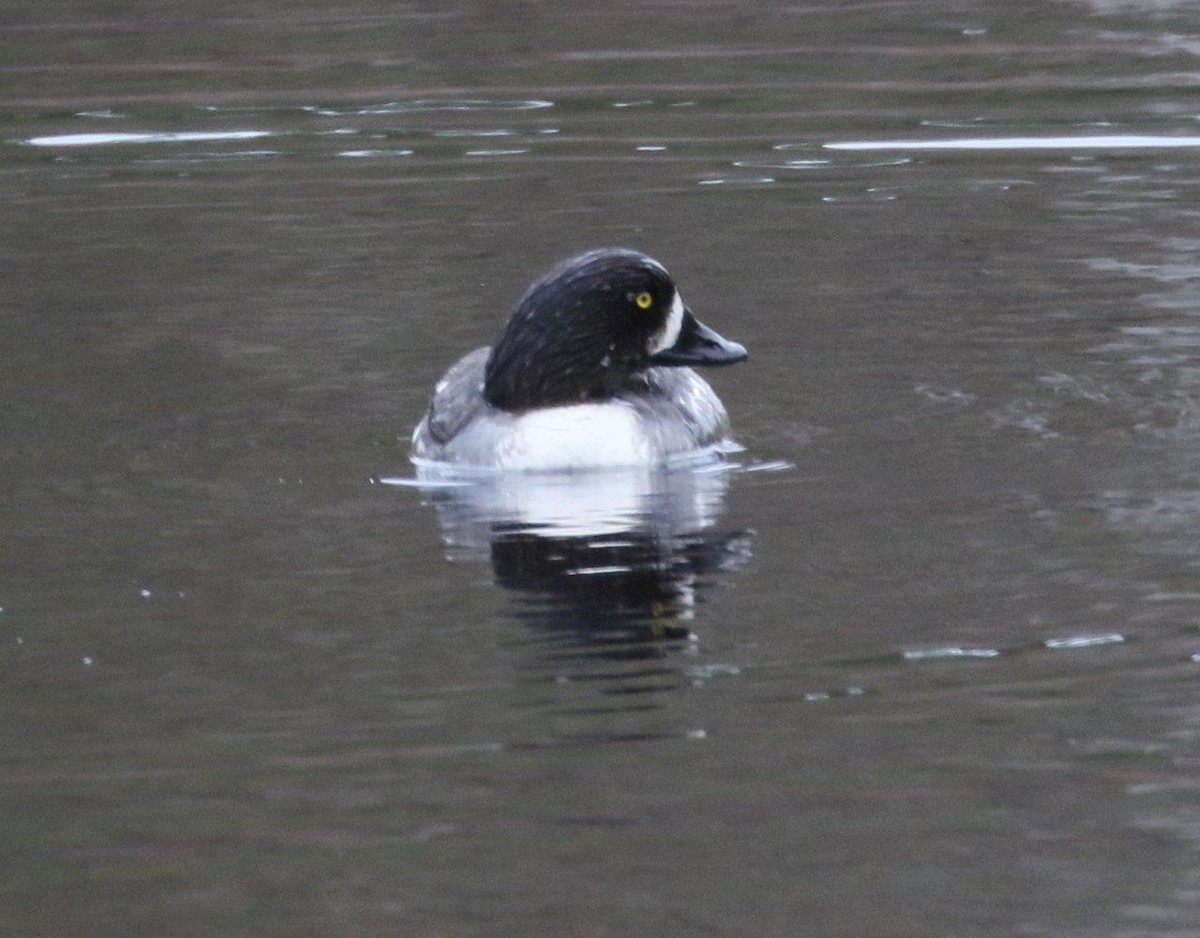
[(611, 566)]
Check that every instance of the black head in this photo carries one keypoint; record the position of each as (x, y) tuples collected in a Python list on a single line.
[(585, 327)]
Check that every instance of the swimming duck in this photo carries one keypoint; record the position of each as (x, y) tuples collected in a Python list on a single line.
[(591, 371)]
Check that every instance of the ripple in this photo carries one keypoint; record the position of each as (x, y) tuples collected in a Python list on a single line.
[(427, 105), (939, 394), (1114, 141), (752, 181), (1172, 597), (210, 157), (1166, 336), (773, 465), (107, 139), (369, 154), (1164, 510), (949, 653), (873, 194), (977, 122), (1084, 641), (850, 161), (700, 674), (785, 164), (516, 151), (475, 133)]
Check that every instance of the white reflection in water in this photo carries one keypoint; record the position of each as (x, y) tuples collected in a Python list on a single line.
[(948, 652), (1084, 641), (366, 154), (754, 181), (1115, 141), (787, 164), (475, 133), (823, 162), (98, 139), (577, 505), (422, 105), (610, 563), (977, 122)]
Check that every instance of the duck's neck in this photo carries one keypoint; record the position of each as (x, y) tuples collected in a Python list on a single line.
[(524, 383)]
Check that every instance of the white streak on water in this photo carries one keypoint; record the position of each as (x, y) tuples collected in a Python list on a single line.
[(98, 139), (1114, 141)]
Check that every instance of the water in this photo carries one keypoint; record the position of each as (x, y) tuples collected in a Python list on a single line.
[(924, 665)]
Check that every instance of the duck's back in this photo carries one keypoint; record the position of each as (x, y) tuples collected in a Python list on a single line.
[(660, 413), (457, 400)]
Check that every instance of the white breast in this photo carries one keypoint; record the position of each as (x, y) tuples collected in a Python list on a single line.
[(575, 437)]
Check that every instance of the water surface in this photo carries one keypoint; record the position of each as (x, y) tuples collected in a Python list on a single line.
[(923, 666)]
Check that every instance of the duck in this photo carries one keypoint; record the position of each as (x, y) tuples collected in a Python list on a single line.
[(594, 369)]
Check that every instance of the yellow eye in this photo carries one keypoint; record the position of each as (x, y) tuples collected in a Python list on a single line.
[(644, 300)]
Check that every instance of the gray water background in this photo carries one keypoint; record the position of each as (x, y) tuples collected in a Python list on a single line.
[(931, 674)]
